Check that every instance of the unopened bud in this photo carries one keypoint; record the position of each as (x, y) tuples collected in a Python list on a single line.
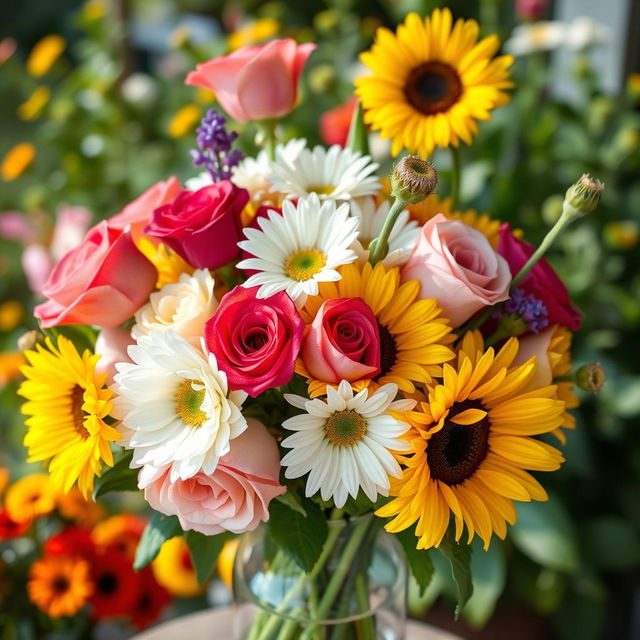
[(583, 196), (413, 179), (590, 377), (29, 340)]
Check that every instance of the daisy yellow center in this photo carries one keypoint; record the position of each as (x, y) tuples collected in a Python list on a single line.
[(304, 264), (456, 451), (345, 428), (321, 189), (433, 87), (77, 414), (188, 403)]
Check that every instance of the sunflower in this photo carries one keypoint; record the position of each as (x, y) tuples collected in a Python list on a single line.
[(413, 334), (431, 81), (472, 444), (30, 497), (67, 405), (559, 352), (59, 585)]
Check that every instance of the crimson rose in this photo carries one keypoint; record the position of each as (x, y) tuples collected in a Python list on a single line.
[(255, 340), (542, 281), (203, 226)]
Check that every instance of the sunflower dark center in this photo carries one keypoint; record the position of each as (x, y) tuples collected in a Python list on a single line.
[(107, 584), (433, 87), (60, 584), (456, 451), (388, 350), (77, 413)]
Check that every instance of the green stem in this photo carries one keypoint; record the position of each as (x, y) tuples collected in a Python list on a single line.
[(455, 176), (365, 626), (269, 130), (379, 247), (335, 583)]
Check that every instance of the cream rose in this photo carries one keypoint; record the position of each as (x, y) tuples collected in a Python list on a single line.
[(182, 306), (457, 266)]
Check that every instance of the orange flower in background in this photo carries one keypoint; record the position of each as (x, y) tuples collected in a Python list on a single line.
[(44, 54), (17, 160), (335, 123), (10, 363), (174, 570), (253, 33), (184, 120), (59, 585), (74, 506), (4, 479), (33, 106), (122, 531), (30, 497), (11, 312)]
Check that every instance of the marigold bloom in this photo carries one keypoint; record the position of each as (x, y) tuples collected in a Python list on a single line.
[(17, 160), (30, 497), (44, 54)]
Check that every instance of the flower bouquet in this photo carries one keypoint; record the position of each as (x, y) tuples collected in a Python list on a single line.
[(296, 340)]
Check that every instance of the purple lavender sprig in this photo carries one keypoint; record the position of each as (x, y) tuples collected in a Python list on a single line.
[(523, 311), (214, 151)]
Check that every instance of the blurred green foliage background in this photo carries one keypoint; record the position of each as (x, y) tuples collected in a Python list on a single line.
[(111, 115)]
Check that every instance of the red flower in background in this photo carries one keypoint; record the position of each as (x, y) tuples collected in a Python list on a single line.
[(115, 584), (335, 123), (72, 541), (9, 528), (150, 600)]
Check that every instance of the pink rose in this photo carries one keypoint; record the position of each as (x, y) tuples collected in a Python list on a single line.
[(203, 227), (37, 265), (111, 345), (255, 83), (139, 212), (235, 497), (541, 282), (71, 226), (103, 281), (255, 340), (343, 342), (456, 265)]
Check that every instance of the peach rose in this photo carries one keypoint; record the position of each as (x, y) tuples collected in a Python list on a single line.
[(235, 497), (112, 344), (255, 83), (138, 213), (538, 346), (456, 265), (103, 281)]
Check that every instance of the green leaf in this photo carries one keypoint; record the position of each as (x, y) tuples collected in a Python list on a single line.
[(117, 478), (292, 500), (612, 543), (489, 572), (159, 529), (358, 139), (301, 537), (82, 335), (419, 560), (544, 533), (204, 552), (459, 557)]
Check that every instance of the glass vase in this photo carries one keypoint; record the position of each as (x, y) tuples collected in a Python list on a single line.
[(355, 591)]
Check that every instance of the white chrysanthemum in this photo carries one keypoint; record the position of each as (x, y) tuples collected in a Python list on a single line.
[(175, 406), (528, 38), (332, 174), (402, 239), (182, 306), (346, 442), (300, 248), (251, 173)]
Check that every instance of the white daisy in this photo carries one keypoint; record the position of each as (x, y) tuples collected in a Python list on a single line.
[(333, 174), (175, 406), (345, 442), (183, 307), (528, 38), (402, 239), (299, 248)]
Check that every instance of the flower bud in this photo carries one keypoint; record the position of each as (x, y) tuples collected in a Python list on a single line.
[(413, 179), (28, 340), (583, 196), (590, 377)]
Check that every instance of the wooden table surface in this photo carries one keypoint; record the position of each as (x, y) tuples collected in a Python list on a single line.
[(215, 624)]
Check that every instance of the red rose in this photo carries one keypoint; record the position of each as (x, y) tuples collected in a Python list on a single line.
[(203, 227), (343, 342), (255, 340), (103, 281), (335, 123), (542, 281)]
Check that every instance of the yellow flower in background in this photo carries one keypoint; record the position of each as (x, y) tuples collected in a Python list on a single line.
[(94, 10), (169, 264), (59, 585), (205, 96), (622, 234), (10, 363), (30, 497), (253, 33), (67, 404), (226, 559), (473, 443), (122, 531), (174, 570), (44, 54), (4, 479), (11, 312), (184, 120), (431, 81), (33, 106), (74, 506), (633, 83), (17, 160)]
